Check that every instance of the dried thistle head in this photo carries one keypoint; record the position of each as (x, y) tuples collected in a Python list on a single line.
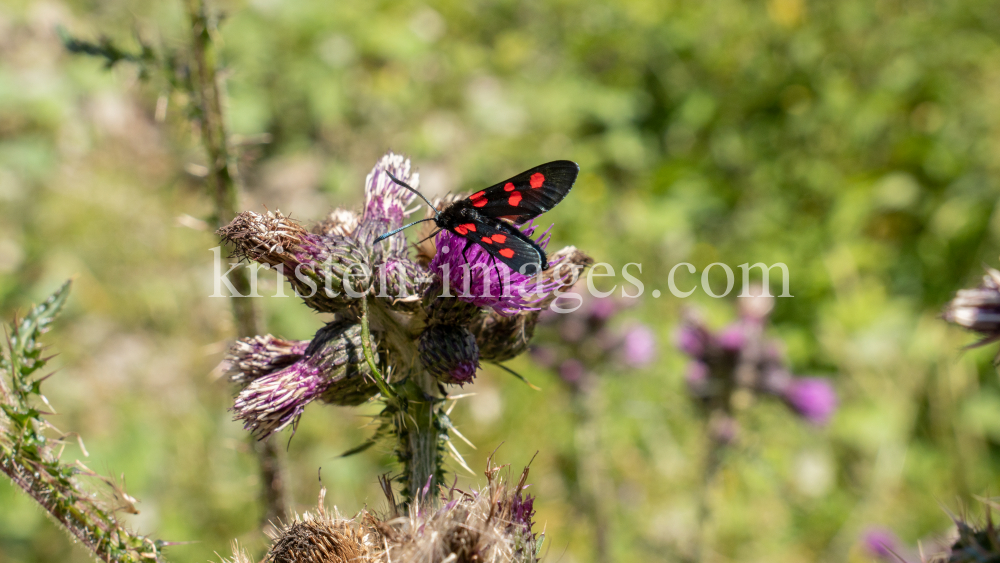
[(321, 539), (340, 222), (323, 536), (329, 272), (491, 524)]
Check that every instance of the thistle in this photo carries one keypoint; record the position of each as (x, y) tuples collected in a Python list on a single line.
[(740, 359), (978, 309), (406, 325), (582, 347), (731, 365), (491, 524), (30, 456)]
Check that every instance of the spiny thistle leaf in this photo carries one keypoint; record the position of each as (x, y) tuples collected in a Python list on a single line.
[(31, 459)]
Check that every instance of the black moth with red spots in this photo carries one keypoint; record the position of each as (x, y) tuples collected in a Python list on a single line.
[(480, 218)]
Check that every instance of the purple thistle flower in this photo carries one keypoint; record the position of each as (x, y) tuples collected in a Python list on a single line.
[(691, 340), (732, 337), (386, 200), (477, 281), (881, 543), (812, 398), (572, 371), (386, 208), (257, 356), (639, 348), (270, 403)]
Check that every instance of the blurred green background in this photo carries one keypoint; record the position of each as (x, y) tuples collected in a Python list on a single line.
[(856, 141)]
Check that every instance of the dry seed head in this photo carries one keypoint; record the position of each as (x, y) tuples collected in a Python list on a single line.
[(321, 539)]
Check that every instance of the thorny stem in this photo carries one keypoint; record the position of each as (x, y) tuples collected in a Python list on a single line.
[(419, 428), (224, 180)]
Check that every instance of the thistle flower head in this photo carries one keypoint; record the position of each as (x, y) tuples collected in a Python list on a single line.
[(812, 398), (740, 357), (272, 402), (978, 309), (253, 357), (475, 277), (386, 205), (449, 353), (322, 538), (324, 269), (331, 368)]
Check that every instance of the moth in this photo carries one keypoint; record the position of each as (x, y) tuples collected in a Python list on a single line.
[(489, 217)]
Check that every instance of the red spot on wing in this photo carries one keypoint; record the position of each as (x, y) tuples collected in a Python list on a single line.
[(508, 187), (469, 226), (506, 252), (515, 198), (461, 230), (499, 238), (479, 202), (537, 179), (477, 195), (487, 240)]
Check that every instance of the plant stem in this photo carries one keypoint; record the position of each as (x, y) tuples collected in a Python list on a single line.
[(713, 460), (223, 178), (412, 401), (591, 472)]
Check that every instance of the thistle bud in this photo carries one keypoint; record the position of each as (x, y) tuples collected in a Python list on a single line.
[(336, 349), (447, 310), (253, 357), (328, 272), (449, 353), (501, 338)]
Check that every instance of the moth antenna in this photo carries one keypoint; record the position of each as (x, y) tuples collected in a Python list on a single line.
[(390, 233), (432, 235), (407, 186)]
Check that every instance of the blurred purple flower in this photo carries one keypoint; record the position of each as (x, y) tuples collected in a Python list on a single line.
[(639, 346), (572, 371), (696, 378), (603, 308), (881, 543), (480, 275), (690, 340), (732, 338), (545, 356), (812, 398)]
